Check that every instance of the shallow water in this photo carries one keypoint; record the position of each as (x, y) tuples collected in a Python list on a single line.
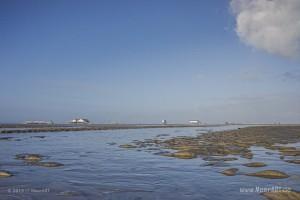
[(96, 168)]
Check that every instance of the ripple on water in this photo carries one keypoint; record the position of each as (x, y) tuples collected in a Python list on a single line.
[(95, 169)]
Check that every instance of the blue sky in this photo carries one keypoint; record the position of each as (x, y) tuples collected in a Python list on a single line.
[(138, 62)]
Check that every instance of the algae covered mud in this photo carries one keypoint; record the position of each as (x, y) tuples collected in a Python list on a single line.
[(159, 163)]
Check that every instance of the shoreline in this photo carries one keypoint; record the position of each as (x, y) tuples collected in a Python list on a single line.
[(29, 128), (34, 128)]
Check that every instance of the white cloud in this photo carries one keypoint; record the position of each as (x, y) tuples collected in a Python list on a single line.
[(271, 25)]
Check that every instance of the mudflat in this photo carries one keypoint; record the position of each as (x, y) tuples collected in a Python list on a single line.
[(217, 146), (234, 142)]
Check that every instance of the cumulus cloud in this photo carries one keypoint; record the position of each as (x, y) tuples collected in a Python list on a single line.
[(271, 25)]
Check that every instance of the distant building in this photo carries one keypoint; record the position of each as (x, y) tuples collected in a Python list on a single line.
[(164, 122), (80, 121), (38, 122), (194, 122)]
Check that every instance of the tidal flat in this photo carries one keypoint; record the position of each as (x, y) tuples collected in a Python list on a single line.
[(234, 142), (228, 162)]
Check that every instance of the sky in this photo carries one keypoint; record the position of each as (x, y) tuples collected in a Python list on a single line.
[(139, 61)]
